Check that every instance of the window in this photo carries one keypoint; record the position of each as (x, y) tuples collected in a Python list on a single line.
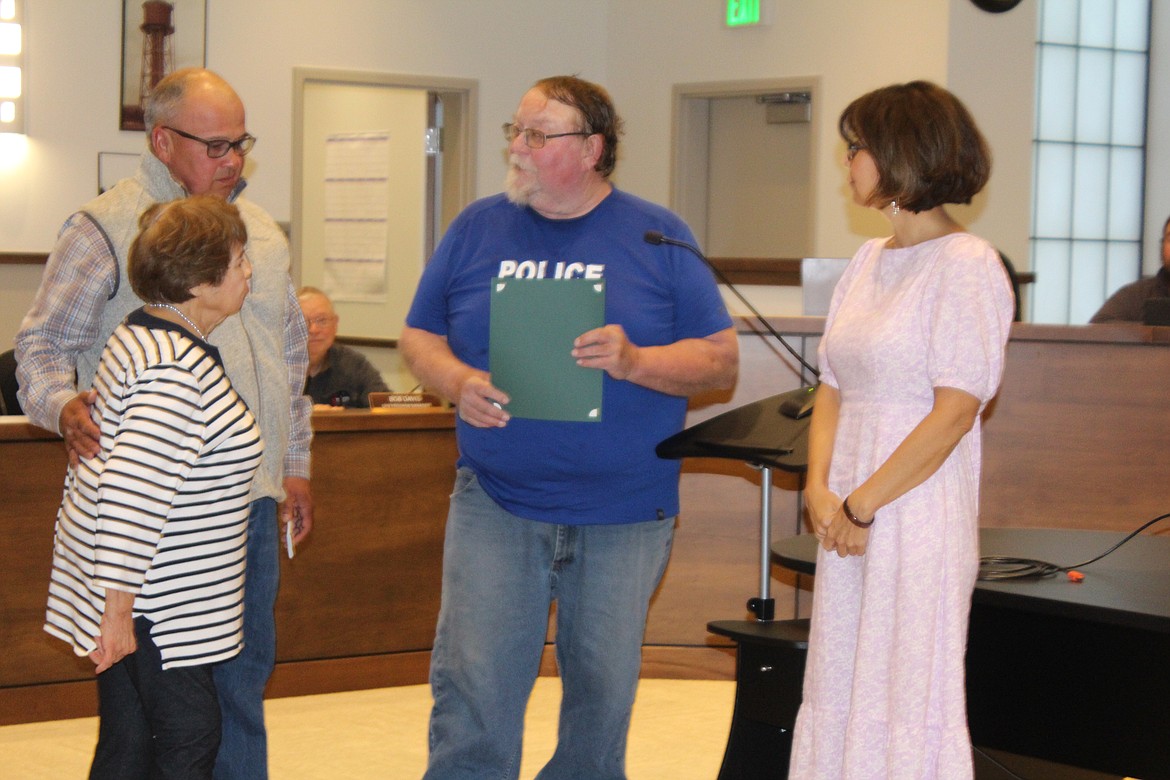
[(1092, 67)]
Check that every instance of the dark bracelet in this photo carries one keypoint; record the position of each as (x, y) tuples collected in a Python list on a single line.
[(857, 521)]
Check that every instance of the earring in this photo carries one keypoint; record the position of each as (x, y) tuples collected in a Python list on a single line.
[(894, 206)]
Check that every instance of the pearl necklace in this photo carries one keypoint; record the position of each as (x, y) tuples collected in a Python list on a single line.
[(186, 319)]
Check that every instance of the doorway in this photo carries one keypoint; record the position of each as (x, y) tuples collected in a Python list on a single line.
[(742, 165), (411, 174)]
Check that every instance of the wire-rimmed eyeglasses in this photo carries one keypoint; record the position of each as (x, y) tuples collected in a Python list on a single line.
[(322, 321), (220, 146), (533, 138)]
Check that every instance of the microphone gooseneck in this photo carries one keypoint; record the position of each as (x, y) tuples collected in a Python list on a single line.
[(656, 238)]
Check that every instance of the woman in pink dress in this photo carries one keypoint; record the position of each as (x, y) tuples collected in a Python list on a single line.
[(913, 350)]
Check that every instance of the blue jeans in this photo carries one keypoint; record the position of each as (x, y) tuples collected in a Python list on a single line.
[(155, 724), (243, 751), (500, 575)]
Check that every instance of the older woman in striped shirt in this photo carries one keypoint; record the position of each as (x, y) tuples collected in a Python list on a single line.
[(149, 547)]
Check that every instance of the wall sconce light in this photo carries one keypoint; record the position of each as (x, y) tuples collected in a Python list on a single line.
[(11, 67)]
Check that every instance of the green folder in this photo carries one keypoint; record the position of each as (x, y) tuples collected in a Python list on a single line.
[(533, 325)]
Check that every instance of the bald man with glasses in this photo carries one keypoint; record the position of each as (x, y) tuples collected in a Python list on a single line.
[(340, 377), (196, 144)]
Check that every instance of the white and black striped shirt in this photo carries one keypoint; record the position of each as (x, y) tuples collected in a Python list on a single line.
[(162, 511)]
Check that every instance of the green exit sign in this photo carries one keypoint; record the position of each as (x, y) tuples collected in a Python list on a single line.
[(748, 13)]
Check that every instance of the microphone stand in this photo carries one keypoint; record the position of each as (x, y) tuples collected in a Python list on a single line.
[(656, 238), (770, 657), (795, 405)]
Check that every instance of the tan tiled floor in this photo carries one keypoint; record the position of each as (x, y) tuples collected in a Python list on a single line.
[(679, 730)]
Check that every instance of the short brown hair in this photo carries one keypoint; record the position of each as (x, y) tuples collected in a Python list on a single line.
[(924, 143), (183, 244), (596, 109)]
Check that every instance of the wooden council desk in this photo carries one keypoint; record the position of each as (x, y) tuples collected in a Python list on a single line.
[(1070, 672), (357, 605)]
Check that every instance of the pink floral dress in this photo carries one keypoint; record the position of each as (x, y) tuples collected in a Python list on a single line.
[(884, 695)]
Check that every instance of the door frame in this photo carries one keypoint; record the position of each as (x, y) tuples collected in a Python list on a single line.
[(690, 141), (449, 195)]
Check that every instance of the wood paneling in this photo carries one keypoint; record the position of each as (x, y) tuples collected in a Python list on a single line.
[(367, 580), (357, 604), (781, 271), (1079, 434), (23, 258)]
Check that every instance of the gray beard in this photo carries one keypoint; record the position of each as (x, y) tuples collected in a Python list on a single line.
[(515, 193)]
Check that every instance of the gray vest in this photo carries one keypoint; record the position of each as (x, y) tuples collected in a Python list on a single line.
[(251, 343)]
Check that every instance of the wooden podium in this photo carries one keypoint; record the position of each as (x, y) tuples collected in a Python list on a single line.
[(770, 655)]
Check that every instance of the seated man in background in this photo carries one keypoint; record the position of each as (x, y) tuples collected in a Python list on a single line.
[(1128, 303), (338, 375)]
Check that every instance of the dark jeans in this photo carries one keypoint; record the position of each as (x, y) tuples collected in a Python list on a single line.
[(155, 724)]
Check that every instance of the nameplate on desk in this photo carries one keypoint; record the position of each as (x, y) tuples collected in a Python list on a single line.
[(403, 401)]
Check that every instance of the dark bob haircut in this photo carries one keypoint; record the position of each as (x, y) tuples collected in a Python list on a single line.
[(596, 109), (183, 244), (924, 143)]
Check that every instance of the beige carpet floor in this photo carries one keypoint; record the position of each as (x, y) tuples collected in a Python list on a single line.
[(678, 731)]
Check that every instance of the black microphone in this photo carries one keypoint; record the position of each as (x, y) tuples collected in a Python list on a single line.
[(655, 237)]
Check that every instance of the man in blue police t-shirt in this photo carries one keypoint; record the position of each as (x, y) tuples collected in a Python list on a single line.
[(577, 512)]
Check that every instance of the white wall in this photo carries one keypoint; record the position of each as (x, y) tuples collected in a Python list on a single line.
[(74, 62), (73, 97), (852, 45), (992, 70), (638, 48)]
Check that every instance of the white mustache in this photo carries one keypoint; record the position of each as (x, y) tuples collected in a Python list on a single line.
[(520, 164)]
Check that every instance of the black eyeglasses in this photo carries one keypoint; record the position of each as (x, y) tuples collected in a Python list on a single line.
[(220, 147), (854, 148), (533, 139)]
